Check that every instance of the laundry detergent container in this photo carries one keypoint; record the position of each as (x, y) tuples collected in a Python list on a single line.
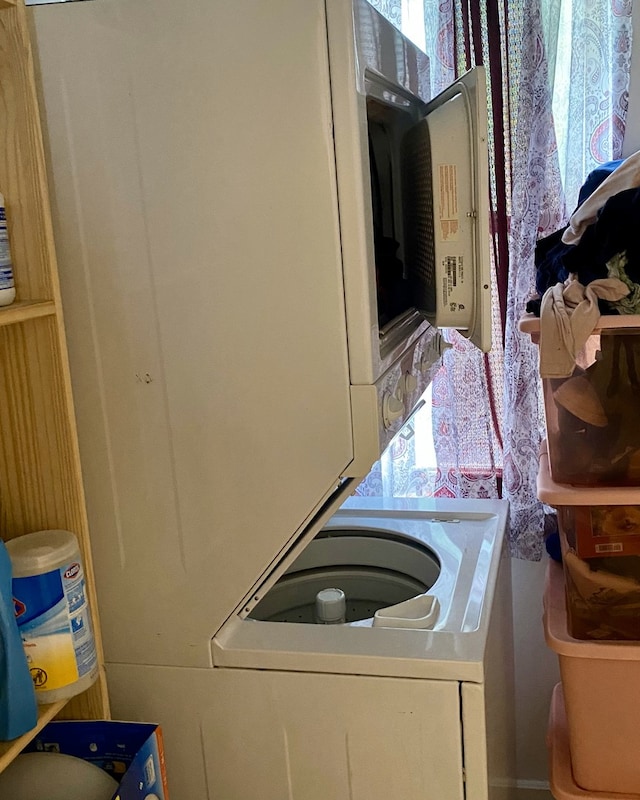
[(592, 416), (600, 546), (600, 684)]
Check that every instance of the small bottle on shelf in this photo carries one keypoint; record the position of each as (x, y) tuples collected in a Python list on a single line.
[(7, 287)]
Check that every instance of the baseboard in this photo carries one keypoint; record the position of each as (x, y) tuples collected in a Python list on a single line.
[(532, 790)]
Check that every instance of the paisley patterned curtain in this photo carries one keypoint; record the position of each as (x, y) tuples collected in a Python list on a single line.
[(569, 74), (485, 422), (590, 82)]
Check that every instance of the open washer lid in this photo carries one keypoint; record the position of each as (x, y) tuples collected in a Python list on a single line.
[(294, 547), (469, 536)]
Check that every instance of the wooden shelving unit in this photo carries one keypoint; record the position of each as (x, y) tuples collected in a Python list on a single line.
[(40, 476), (21, 312), (9, 750)]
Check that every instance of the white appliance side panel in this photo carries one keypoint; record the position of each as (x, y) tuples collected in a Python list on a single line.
[(196, 218), (488, 709), (275, 735)]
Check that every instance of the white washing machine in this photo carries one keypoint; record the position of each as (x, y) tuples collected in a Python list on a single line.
[(408, 695), (234, 379)]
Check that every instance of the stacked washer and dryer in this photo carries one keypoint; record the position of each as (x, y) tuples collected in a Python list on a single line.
[(234, 380)]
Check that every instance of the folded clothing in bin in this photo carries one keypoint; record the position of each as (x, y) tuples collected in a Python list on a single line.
[(602, 604), (599, 545), (592, 415), (602, 701)]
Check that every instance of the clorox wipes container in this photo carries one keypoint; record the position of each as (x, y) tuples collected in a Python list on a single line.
[(52, 612)]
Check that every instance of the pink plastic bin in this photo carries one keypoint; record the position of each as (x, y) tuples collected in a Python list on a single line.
[(600, 556), (600, 682), (592, 414), (563, 785)]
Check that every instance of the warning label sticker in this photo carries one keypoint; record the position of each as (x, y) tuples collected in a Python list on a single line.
[(448, 219)]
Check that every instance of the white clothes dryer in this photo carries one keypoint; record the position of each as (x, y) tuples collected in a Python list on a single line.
[(411, 696)]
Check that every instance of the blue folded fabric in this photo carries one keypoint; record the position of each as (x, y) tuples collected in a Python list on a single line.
[(595, 178)]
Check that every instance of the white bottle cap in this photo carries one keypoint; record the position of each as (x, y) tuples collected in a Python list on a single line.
[(331, 606)]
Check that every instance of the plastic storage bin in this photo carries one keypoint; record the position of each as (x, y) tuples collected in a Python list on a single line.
[(593, 428), (602, 701), (601, 557), (563, 785), (606, 531)]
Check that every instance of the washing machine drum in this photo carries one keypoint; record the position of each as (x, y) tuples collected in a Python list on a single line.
[(349, 576)]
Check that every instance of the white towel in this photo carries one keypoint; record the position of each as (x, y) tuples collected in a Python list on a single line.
[(568, 315)]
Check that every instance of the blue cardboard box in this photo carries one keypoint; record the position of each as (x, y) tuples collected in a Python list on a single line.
[(131, 752)]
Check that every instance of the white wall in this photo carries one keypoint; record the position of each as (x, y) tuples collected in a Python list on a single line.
[(536, 674)]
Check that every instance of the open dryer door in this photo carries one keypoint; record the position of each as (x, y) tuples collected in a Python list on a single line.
[(446, 202)]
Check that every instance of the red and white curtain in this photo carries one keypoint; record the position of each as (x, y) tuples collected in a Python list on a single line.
[(558, 78)]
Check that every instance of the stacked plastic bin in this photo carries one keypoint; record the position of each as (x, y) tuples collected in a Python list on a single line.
[(590, 473)]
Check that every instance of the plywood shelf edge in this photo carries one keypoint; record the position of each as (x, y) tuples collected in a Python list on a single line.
[(26, 310), (9, 750)]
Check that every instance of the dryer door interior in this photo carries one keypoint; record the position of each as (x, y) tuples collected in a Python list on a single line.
[(445, 180)]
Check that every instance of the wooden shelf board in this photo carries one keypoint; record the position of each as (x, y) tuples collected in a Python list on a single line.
[(9, 750), (25, 310)]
